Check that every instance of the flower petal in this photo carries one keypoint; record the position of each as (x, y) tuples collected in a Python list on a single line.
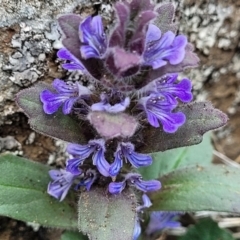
[(116, 187), (51, 102), (160, 220), (73, 165), (117, 164), (101, 163), (83, 151), (135, 179), (75, 64), (153, 34), (63, 180), (147, 186), (167, 48), (136, 159), (137, 230), (93, 38), (170, 89)]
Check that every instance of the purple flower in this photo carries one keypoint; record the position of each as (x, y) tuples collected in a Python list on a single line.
[(66, 94), (89, 178), (62, 181), (142, 185), (160, 220), (113, 102), (146, 203), (93, 38), (99, 159), (158, 109), (117, 164), (126, 151), (168, 87), (159, 50), (137, 230), (116, 187), (81, 152), (75, 64), (134, 179)]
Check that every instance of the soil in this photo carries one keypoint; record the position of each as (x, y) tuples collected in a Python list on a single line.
[(224, 94)]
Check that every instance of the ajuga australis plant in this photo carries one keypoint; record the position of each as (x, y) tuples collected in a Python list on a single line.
[(137, 103)]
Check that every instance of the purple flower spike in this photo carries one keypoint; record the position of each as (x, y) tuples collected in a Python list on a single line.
[(117, 164), (170, 89), (158, 109), (62, 181), (161, 220), (93, 38), (136, 159), (66, 94), (144, 186), (162, 49), (116, 187), (74, 64)]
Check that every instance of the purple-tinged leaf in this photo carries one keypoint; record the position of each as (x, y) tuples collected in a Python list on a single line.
[(199, 189), (69, 25), (104, 216), (190, 60), (137, 41), (57, 125), (111, 126), (137, 6), (120, 62), (200, 118), (117, 37), (165, 18)]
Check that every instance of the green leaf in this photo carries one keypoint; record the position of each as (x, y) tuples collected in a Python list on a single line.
[(201, 118), (165, 162), (56, 125), (105, 217), (70, 235), (212, 188), (23, 196), (206, 229)]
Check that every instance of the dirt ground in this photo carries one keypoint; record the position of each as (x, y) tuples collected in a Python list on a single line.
[(221, 86)]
